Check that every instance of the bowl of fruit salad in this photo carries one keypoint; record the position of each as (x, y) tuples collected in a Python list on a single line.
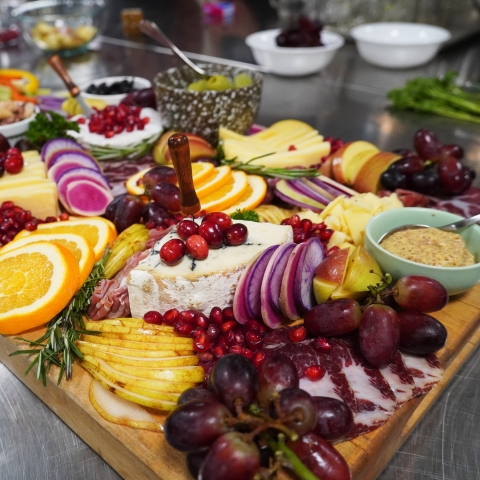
[(228, 96), (60, 26), (302, 49), (451, 258)]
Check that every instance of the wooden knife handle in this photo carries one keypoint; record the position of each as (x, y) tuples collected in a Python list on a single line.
[(180, 153), (59, 67)]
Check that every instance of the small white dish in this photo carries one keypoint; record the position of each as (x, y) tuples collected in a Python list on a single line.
[(397, 44), (289, 61), (15, 131), (138, 84)]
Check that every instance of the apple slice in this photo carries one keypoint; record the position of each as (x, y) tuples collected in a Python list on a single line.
[(345, 155), (340, 292), (368, 178), (357, 162), (362, 271), (329, 274), (287, 299)]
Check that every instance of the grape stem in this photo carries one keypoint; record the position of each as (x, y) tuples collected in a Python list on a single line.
[(378, 290), (290, 459)]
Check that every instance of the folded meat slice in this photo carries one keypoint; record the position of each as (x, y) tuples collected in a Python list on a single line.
[(400, 379), (375, 399), (426, 371)]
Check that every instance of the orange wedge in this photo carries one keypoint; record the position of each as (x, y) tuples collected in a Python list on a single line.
[(78, 246), (96, 231), (36, 282), (200, 172), (227, 194), (252, 197), (220, 176)]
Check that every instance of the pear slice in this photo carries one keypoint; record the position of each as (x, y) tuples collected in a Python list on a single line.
[(108, 327), (181, 348), (120, 411), (133, 397), (169, 397), (136, 353), (189, 360), (120, 379), (138, 337), (136, 323)]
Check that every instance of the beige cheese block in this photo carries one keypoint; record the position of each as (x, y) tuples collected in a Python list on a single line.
[(202, 284)]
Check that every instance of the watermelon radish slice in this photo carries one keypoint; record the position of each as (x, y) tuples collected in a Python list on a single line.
[(87, 198), (272, 278), (57, 144), (64, 155), (270, 317), (310, 258), (56, 172), (240, 311), (287, 300), (253, 283), (78, 174)]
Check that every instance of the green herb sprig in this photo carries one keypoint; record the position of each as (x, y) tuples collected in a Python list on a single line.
[(285, 173), (130, 152), (63, 331), (250, 215), (47, 126)]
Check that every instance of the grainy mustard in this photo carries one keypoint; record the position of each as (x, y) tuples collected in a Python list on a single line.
[(429, 246)]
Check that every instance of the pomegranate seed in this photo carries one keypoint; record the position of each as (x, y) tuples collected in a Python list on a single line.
[(188, 316), (306, 225), (171, 316), (81, 121), (216, 315), (182, 328), (227, 314), (30, 226), (205, 357), (246, 352), (213, 331), (291, 148), (252, 325), (239, 338), (7, 205), (235, 349), (322, 344), (109, 134), (219, 351), (227, 326), (262, 329), (197, 331), (315, 373), (297, 334), (295, 221), (258, 358), (50, 219), (146, 120), (153, 317), (222, 340), (201, 320), (201, 343), (254, 340), (230, 337), (149, 225)]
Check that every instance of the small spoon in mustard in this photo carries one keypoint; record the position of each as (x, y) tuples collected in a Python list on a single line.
[(451, 227)]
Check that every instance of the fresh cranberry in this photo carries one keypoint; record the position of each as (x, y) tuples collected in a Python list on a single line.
[(173, 251), (236, 234), (64, 216), (186, 228), (221, 219), (211, 232), (197, 247), (153, 317), (13, 165)]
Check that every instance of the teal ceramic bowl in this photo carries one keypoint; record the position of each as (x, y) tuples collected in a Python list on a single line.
[(455, 279)]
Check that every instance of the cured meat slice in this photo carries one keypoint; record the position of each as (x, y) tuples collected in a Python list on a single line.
[(426, 371), (375, 399), (400, 379), (333, 384)]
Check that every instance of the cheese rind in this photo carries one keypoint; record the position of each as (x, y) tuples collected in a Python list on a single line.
[(199, 285)]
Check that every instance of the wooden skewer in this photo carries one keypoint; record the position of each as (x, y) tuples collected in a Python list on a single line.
[(180, 153)]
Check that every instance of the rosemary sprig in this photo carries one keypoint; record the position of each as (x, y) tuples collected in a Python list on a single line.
[(128, 151), (63, 331), (285, 173)]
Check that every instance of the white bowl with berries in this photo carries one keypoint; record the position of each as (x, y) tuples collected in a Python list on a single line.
[(16, 129)]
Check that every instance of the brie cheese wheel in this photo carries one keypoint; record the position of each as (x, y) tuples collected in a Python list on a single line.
[(198, 284)]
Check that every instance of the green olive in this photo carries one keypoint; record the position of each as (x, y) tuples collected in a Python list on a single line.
[(242, 80), (199, 86), (218, 82)]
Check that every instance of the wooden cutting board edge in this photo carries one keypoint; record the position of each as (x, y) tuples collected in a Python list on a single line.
[(137, 454)]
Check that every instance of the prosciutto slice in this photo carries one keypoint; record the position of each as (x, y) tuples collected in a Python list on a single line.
[(426, 371), (400, 379)]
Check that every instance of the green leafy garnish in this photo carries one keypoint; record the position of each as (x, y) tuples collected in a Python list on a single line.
[(128, 151), (250, 215), (63, 331), (47, 126), (285, 173), (437, 95)]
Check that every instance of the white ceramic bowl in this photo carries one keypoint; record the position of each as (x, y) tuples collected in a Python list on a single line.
[(16, 131), (138, 84), (398, 45), (293, 62)]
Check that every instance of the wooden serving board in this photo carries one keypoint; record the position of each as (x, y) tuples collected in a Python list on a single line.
[(141, 454)]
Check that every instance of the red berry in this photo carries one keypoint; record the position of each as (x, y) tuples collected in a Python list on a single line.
[(216, 315), (186, 228), (14, 152), (13, 165), (236, 234), (201, 343), (322, 344), (182, 328), (64, 216), (258, 358), (211, 232), (81, 121), (221, 219), (153, 317), (173, 251), (315, 373), (201, 320), (227, 326), (227, 314), (297, 334), (188, 316), (171, 316), (197, 247), (219, 351)]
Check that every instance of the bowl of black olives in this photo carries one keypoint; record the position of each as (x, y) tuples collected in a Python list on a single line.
[(226, 96), (112, 90)]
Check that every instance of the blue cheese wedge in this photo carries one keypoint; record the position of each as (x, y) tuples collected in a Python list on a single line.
[(198, 284)]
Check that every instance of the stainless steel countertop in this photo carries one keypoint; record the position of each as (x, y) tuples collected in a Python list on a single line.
[(347, 100)]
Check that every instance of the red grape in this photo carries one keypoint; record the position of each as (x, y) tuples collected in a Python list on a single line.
[(211, 232), (173, 251), (195, 461), (379, 335), (426, 181), (333, 318), (155, 214), (195, 393), (452, 175), (167, 196), (416, 292), (196, 424), (334, 418), (236, 234), (408, 164), (452, 150), (298, 406), (427, 144), (392, 179), (186, 227), (128, 210), (420, 333), (221, 219), (158, 174)]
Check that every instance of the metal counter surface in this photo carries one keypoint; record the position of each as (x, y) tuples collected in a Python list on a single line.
[(347, 100)]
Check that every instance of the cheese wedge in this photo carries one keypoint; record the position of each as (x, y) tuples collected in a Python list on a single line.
[(198, 284)]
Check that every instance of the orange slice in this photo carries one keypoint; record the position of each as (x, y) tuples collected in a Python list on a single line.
[(220, 176), (78, 246), (200, 172), (252, 197), (36, 282), (227, 194), (96, 231)]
